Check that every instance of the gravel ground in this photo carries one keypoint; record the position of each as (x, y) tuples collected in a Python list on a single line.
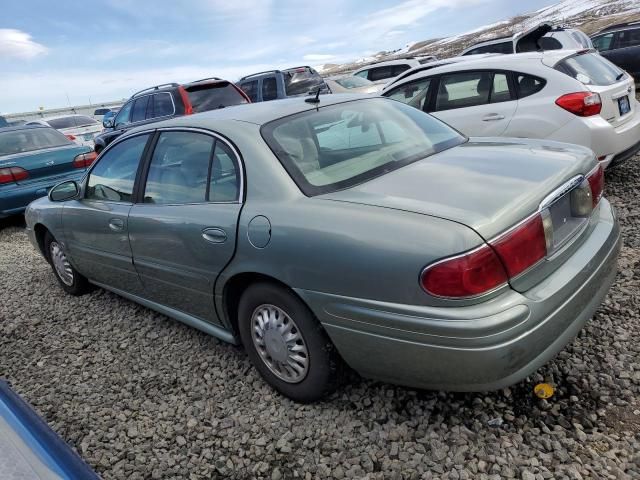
[(143, 396)]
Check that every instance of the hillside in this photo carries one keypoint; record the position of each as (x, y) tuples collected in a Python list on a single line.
[(588, 15)]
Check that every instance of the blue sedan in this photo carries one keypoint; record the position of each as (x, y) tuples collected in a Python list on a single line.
[(32, 160)]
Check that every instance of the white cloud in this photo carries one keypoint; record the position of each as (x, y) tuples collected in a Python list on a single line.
[(318, 57), (407, 13), (18, 44), (394, 33)]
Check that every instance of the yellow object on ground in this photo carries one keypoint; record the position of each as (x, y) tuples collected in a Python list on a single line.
[(543, 390)]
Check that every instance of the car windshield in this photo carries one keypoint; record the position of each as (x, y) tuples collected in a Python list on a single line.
[(338, 146), (591, 69), (72, 121), (353, 82), (211, 96), (30, 139)]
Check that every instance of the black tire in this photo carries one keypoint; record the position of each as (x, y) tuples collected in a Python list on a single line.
[(79, 284), (323, 367)]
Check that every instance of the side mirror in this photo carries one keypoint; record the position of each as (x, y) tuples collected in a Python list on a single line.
[(108, 123), (64, 191)]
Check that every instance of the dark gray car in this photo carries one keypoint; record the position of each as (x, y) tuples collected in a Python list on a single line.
[(278, 84), (355, 229)]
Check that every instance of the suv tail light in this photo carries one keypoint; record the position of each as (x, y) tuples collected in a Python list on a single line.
[(84, 160), (583, 104), (71, 137), (596, 182), (12, 174)]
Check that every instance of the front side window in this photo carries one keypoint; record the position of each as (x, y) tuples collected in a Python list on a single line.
[(338, 146), (113, 177), (123, 116), (465, 89), (139, 111), (603, 42), (413, 93), (179, 168), (269, 89), (30, 139), (251, 89), (398, 69)]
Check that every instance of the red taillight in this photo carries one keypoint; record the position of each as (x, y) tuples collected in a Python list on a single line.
[(596, 182), (84, 159), (13, 174), (523, 246), (467, 275), (71, 137), (583, 104), (188, 108)]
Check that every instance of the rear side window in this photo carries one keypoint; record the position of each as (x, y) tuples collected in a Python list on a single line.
[(528, 85), (503, 47), (629, 38), (162, 105), (413, 93), (549, 43), (179, 168), (466, 89), (139, 111), (213, 96), (591, 69), (225, 177), (71, 122), (269, 89), (500, 89), (251, 89), (113, 177), (398, 69), (603, 42), (301, 81), (28, 140)]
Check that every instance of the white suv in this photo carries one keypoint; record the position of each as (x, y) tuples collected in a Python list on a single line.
[(565, 95), (542, 37), (382, 72)]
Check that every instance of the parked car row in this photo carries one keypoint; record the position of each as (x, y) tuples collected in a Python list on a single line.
[(262, 224)]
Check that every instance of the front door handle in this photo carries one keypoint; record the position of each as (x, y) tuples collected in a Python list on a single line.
[(214, 235), (492, 117), (116, 224)]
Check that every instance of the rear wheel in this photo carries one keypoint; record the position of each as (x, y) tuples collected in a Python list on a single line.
[(286, 343), (70, 279)]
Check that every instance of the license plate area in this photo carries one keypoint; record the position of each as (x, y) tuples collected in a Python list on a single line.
[(623, 105)]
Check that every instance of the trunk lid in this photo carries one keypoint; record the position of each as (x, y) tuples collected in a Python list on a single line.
[(51, 162), (528, 41), (488, 184)]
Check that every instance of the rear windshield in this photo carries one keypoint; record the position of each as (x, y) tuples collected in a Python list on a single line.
[(353, 82), (30, 139), (591, 69), (212, 96), (300, 81), (71, 122), (338, 146)]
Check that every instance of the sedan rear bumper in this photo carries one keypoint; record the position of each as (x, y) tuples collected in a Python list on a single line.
[(481, 347)]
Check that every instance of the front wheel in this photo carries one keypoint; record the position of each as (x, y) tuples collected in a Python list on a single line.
[(70, 279), (286, 344)]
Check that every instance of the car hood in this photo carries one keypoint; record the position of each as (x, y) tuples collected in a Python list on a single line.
[(487, 184)]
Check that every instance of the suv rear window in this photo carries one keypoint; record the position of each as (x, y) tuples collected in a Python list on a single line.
[(30, 139), (71, 122), (591, 69), (300, 81), (212, 96)]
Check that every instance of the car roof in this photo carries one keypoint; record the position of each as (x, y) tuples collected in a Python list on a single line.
[(24, 127), (253, 113), (55, 117), (500, 62)]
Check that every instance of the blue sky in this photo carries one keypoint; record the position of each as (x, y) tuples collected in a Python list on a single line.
[(106, 50)]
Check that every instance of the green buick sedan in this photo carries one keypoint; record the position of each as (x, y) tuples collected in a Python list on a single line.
[(339, 230)]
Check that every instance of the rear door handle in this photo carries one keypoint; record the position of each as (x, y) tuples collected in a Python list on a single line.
[(492, 117), (116, 224), (214, 235)]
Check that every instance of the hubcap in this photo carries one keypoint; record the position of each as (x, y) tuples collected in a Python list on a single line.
[(61, 264), (279, 342)]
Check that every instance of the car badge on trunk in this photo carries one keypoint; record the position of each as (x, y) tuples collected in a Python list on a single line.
[(50, 162)]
